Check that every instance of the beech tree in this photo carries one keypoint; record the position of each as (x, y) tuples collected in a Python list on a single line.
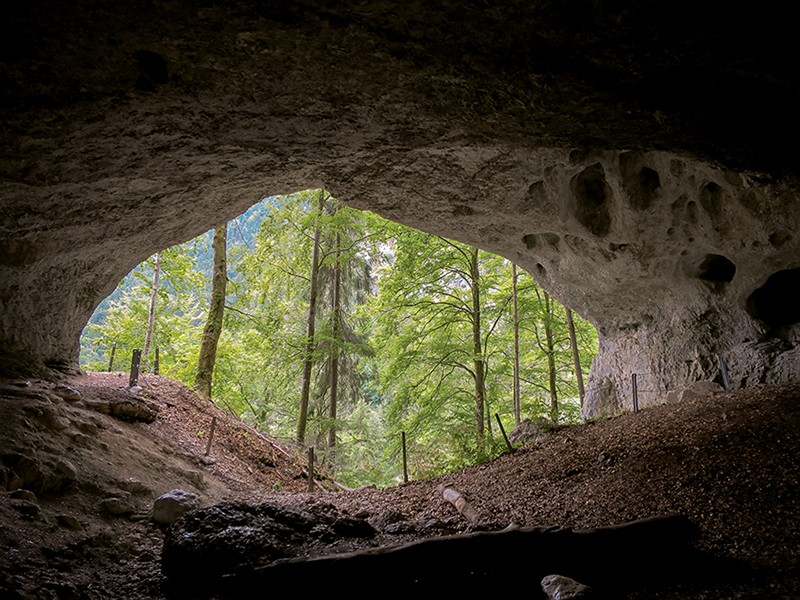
[(308, 357), (434, 328), (216, 310)]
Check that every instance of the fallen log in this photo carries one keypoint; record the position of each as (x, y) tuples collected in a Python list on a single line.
[(455, 498), (482, 561)]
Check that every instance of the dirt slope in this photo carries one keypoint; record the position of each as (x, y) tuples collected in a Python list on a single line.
[(728, 461)]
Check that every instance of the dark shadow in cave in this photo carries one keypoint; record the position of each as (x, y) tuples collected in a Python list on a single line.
[(776, 302)]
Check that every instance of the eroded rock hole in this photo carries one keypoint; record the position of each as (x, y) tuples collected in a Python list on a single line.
[(711, 199), (591, 196), (717, 269), (776, 302), (641, 183)]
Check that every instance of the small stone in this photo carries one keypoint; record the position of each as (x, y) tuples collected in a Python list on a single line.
[(69, 522), (558, 587), (67, 469), (29, 510), (70, 394), (23, 494), (117, 506), (171, 506), (134, 486), (196, 478)]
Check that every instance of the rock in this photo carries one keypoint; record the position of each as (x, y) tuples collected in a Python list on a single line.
[(68, 393), (664, 252), (558, 587), (236, 537), (386, 518), (134, 486), (29, 510), (120, 505), (24, 470), (698, 389), (24, 495), (529, 431), (126, 409), (171, 506), (68, 522), (196, 478)]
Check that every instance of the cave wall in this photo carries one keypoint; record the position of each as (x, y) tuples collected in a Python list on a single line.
[(642, 172)]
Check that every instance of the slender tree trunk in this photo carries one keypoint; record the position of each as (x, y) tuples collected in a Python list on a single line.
[(336, 334), (576, 357), (477, 347), (308, 359), (151, 316), (551, 356), (517, 411), (216, 312)]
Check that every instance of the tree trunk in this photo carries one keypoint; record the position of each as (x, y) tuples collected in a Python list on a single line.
[(151, 316), (551, 356), (308, 360), (517, 411), (477, 346), (576, 357), (335, 335), (216, 311)]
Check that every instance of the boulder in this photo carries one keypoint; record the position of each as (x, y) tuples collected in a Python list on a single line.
[(171, 506), (558, 587)]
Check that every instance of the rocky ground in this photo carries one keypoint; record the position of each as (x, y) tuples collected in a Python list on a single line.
[(81, 467)]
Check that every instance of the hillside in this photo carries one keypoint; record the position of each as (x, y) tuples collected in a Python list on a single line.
[(728, 461)]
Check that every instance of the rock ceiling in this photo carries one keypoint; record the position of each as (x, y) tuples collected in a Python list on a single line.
[(638, 158)]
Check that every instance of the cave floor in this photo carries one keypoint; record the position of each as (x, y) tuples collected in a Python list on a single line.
[(728, 461)]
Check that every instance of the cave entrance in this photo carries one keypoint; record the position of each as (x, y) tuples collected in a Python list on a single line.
[(776, 302), (401, 322)]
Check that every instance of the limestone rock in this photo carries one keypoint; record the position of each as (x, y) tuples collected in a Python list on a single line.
[(171, 506), (117, 506), (558, 587), (134, 486), (131, 408), (68, 393), (675, 254), (698, 389)]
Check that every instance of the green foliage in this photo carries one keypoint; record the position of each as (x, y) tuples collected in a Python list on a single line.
[(402, 333)]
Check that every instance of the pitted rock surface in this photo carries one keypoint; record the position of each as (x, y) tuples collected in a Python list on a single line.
[(639, 160)]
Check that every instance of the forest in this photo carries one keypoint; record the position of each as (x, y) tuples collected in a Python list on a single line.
[(329, 327)]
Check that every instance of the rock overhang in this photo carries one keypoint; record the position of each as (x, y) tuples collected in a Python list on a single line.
[(641, 171)]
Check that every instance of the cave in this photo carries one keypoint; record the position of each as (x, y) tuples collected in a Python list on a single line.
[(639, 159), (128, 131)]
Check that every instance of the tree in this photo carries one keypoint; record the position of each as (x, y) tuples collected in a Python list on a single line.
[(435, 326), (216, 310), (576, 356), (515, 331), (151, 316), (308, 357)]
